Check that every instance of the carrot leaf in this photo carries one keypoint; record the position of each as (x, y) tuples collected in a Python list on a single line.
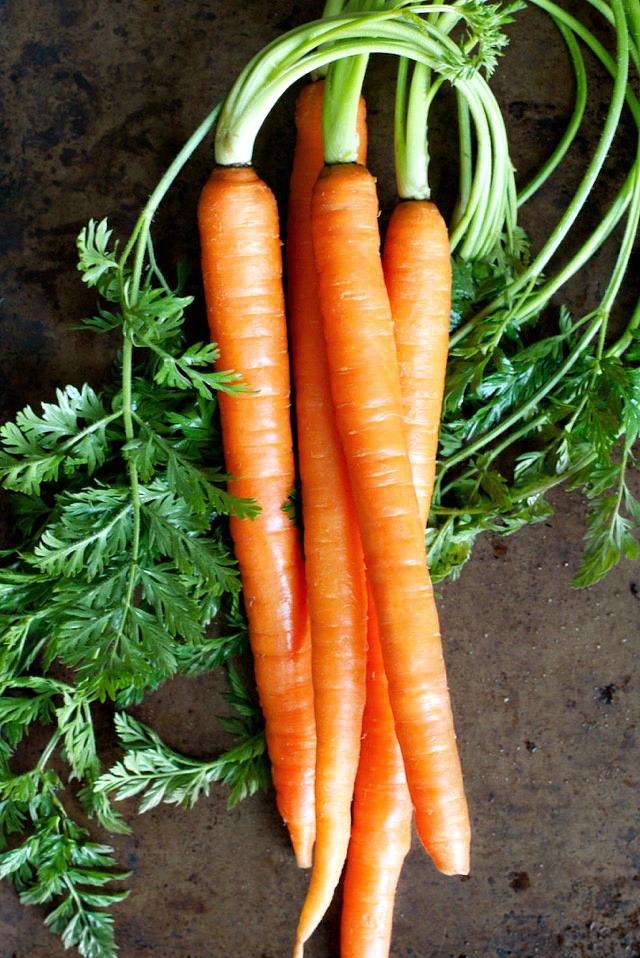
[(57, 863), (158, 773), (120, 563)]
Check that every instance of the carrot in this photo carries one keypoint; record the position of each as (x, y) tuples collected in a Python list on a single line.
[(333, 552), (416, 264), (417, 269), (382, 814), (242, 277), (366, 390), (416, 260)]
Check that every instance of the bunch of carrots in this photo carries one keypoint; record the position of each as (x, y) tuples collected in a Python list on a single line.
[(341, 612)]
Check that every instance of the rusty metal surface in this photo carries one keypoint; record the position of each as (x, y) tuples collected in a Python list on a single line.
[(97, 97)]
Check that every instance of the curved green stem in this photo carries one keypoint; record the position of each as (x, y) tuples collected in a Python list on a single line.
[(621, 93), (624, 257), (569, 135), (512, 420), (491, 205), (530, 305), (524, 492), (397, 31), (140, 233), (465, 156), (134, 478), (49, 750), (139, 244), (332, 8)]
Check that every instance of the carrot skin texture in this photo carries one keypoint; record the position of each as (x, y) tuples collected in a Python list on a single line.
[(417, 269), (367, 397), (382, 815), (416, 261), (334, 563), (242, 277)]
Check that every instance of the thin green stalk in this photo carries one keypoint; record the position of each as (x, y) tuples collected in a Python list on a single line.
[(625, 250), (140, 233), (579, 106), (465, 155), (530, 305), (491, 206), (139, 244), (524, 492), (333, 7), (48, 750), (627, 247), (262, 82), (472, 448), (470, 228), (620, 94), (632, 9), (133, 474), (620, 72)]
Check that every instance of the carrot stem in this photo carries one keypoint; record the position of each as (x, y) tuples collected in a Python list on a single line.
[(465, 159), (579, 106), (140, 234), (621, 93), (413, 99), (341, 105)]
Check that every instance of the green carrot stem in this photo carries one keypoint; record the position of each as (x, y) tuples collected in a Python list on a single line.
[(512, 420), (342, 91), (411, 146), (465, 157), (579, 106), (621, 94)]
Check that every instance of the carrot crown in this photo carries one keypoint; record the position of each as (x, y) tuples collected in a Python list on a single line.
[(339, 45)]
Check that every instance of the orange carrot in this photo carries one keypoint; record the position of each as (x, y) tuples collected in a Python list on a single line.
[(382, 814), (366, 390), (242, 276), (333, 552), (417, 268)]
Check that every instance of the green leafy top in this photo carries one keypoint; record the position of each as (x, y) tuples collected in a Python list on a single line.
[(121, 566), (535, 396)]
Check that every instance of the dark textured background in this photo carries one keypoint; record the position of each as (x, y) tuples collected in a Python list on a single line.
[(97, 96)]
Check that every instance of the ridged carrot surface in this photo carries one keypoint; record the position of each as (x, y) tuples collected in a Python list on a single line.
[(242, 276), (382, 816), (366, 391), (417, 268), (333, 552)]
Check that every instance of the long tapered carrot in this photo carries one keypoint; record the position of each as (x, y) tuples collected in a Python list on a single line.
[(333, 552), (382, 815), (366, 391), (416, 260), (417, 270), (242, 277)]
